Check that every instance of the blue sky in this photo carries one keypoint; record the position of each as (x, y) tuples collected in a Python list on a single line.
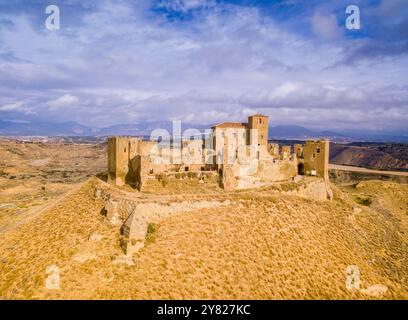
[(204, 61)]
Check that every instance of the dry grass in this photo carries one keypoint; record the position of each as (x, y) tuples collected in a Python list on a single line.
[(264, 245), (34, 174), (268, 246)]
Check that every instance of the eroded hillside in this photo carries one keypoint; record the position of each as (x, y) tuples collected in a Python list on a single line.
[(33, 174), (386, 156)]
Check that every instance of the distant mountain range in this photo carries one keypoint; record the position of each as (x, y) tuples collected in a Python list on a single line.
[(14, 128), (290, 132), (37, 128), (302, 133)]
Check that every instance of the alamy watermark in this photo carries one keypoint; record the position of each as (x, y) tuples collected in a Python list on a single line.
[(353, 18), (52, 282), (213, 146), (53, 20)]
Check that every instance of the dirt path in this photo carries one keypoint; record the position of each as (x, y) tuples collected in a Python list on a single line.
[(364, 170)]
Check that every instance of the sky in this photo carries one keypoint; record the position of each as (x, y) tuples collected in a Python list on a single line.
[(206, 61)]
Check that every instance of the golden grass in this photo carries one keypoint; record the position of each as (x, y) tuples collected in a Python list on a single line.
[(263, 246)]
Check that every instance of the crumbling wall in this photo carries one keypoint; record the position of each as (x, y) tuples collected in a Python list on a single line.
[(112, 160), (316, 189), (316, 158), (228, 179), (134, 229), (179, 180), (118, 210), (277, 170), (273, 149), (286, 152)]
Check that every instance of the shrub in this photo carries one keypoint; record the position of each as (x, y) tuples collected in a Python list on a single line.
[(364, 201), (151, 233)]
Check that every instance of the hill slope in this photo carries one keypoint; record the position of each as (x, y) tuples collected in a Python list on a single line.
[(382, 156), (265, 245)]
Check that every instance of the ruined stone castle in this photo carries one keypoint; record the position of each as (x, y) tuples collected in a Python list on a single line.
[(238, 154), (233, 155)]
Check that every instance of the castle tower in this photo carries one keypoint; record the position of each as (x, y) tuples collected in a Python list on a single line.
[(316, 158), (261, 123), (121, 150), (298, 149)]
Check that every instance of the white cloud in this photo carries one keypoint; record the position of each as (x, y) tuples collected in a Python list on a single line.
[(67, 100), (15, 106), (121, 63), (285, 90)]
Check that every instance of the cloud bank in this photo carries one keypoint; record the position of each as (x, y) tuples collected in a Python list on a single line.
[(203, 61)]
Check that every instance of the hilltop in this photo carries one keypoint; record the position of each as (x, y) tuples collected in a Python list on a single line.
[(264, 245)]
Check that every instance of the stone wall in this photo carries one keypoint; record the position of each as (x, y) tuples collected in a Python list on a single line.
[(315, 158), (278, 170), (135, 162)]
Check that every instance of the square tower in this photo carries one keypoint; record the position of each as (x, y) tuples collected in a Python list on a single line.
[(260, 123), (316, 158), (121, 150)]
